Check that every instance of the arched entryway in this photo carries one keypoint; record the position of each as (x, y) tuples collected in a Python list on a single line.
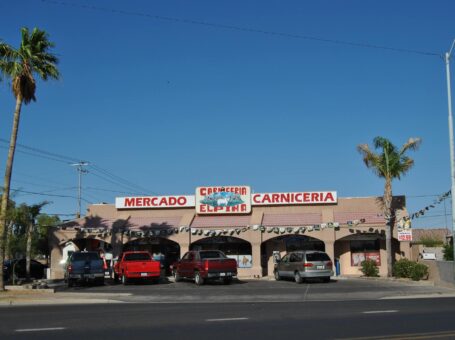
[(233, 247), (351, 251), (283, 244), (162, 249)]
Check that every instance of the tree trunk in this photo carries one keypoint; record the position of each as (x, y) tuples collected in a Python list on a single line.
[(389, 224), (6, 184), (9, 237), (28, 249)]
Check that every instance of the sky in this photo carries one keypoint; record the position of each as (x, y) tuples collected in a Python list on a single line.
[(160, 97)]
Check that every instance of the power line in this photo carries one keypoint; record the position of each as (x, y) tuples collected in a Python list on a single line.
[(241, 29), (54, 156), (51, 195)]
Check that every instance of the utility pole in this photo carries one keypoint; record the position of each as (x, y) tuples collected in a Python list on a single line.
[(80, 170), (452, 151)]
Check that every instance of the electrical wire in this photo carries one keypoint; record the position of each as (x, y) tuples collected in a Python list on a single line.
[(51, 195), (241, 29)]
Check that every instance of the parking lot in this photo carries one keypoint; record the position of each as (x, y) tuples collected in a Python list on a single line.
[(265, 290)]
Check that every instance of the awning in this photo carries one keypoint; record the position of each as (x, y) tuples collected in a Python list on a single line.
[(220, 221), (369, 217)]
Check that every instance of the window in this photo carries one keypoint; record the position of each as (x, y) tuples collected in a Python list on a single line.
[(317, 257), (137, 257), (85, 256), (362, 250), (212, 255)]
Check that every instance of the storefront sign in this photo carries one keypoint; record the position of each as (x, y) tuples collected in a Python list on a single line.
[(223, 200), (405, 235), (150, 202), (226, 200), (295, 198)]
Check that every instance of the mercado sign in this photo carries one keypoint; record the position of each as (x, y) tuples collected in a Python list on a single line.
[(226, 200), (150, 202), (295, 198), (223, 200)]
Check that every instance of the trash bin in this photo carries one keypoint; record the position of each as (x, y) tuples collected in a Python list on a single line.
[(337, 267)]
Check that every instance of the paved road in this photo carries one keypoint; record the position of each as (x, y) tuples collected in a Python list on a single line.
[(375, 319), (264, 291)]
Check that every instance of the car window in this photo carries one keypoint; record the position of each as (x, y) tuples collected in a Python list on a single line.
[(212, 255), (185, 257), (190, 256), (316, 257), (293, 258), (137, 257), (85, 256), (285, 259)]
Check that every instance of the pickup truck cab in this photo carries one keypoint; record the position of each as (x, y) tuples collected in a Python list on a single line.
[(205, 265), (84, 266), (137, 265)]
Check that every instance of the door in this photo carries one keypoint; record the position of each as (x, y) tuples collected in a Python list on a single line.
[(283, 266)]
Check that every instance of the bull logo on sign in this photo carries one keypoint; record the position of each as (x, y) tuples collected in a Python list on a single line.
[(222, 199)]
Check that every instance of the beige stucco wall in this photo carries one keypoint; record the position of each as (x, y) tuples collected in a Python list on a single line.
[(335, 246)]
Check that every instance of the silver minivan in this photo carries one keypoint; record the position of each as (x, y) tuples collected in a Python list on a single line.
[(301, 265)]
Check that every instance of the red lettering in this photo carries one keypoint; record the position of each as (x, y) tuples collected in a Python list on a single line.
[(266, 199), (299, 197), (315, 197), (172, 200), (139, 201), (275, 198), (163, 201), (306, 197), (181, 200), (243, 207), (256, 198), (284, 198), (146, 201), (329, 197), (129, 202)]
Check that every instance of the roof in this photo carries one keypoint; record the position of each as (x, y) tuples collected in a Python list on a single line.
[(291, 219), (439, 234), (221, 221), (131, 223)]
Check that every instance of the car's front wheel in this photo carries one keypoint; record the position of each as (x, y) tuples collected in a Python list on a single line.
[(277, 275), (124, 280), (177, 276)]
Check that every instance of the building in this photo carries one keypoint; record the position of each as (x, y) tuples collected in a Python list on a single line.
[(253, 228)]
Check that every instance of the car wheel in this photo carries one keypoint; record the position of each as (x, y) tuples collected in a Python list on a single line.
[(198, 279), (297, 277), (227, 280), (116, 278), (277, 275), (124, 280), (69, 283), (326, 279), (177, 276)]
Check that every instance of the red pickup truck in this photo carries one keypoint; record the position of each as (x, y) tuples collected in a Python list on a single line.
[(136, 265), (205, 265)]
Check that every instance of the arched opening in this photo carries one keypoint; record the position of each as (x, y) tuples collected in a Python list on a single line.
[(352, 250), (280, 245), (162, 249), (233, 247)]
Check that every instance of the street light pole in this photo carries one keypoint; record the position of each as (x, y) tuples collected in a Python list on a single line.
[(452, 151), (80, 171)]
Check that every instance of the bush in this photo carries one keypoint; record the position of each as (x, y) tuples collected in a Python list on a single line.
[(369, 268), (410, 269), (448, 251), (403, 268), (430, 241), (419, 272)]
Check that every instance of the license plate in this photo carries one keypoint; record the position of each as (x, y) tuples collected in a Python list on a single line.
[(222, 274), (319, 267), (143, 274)]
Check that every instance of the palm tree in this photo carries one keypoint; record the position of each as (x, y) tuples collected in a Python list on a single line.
[(391, 163), (22, 65)]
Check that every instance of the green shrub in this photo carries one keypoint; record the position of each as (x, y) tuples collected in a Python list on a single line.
[(369, 268), (403, 268), (430, 241), (410, 269), (448, 251), (419, 272)]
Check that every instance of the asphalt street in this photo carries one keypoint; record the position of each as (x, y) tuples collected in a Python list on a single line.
[(262, 291), (342, 309), (373, 319)]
